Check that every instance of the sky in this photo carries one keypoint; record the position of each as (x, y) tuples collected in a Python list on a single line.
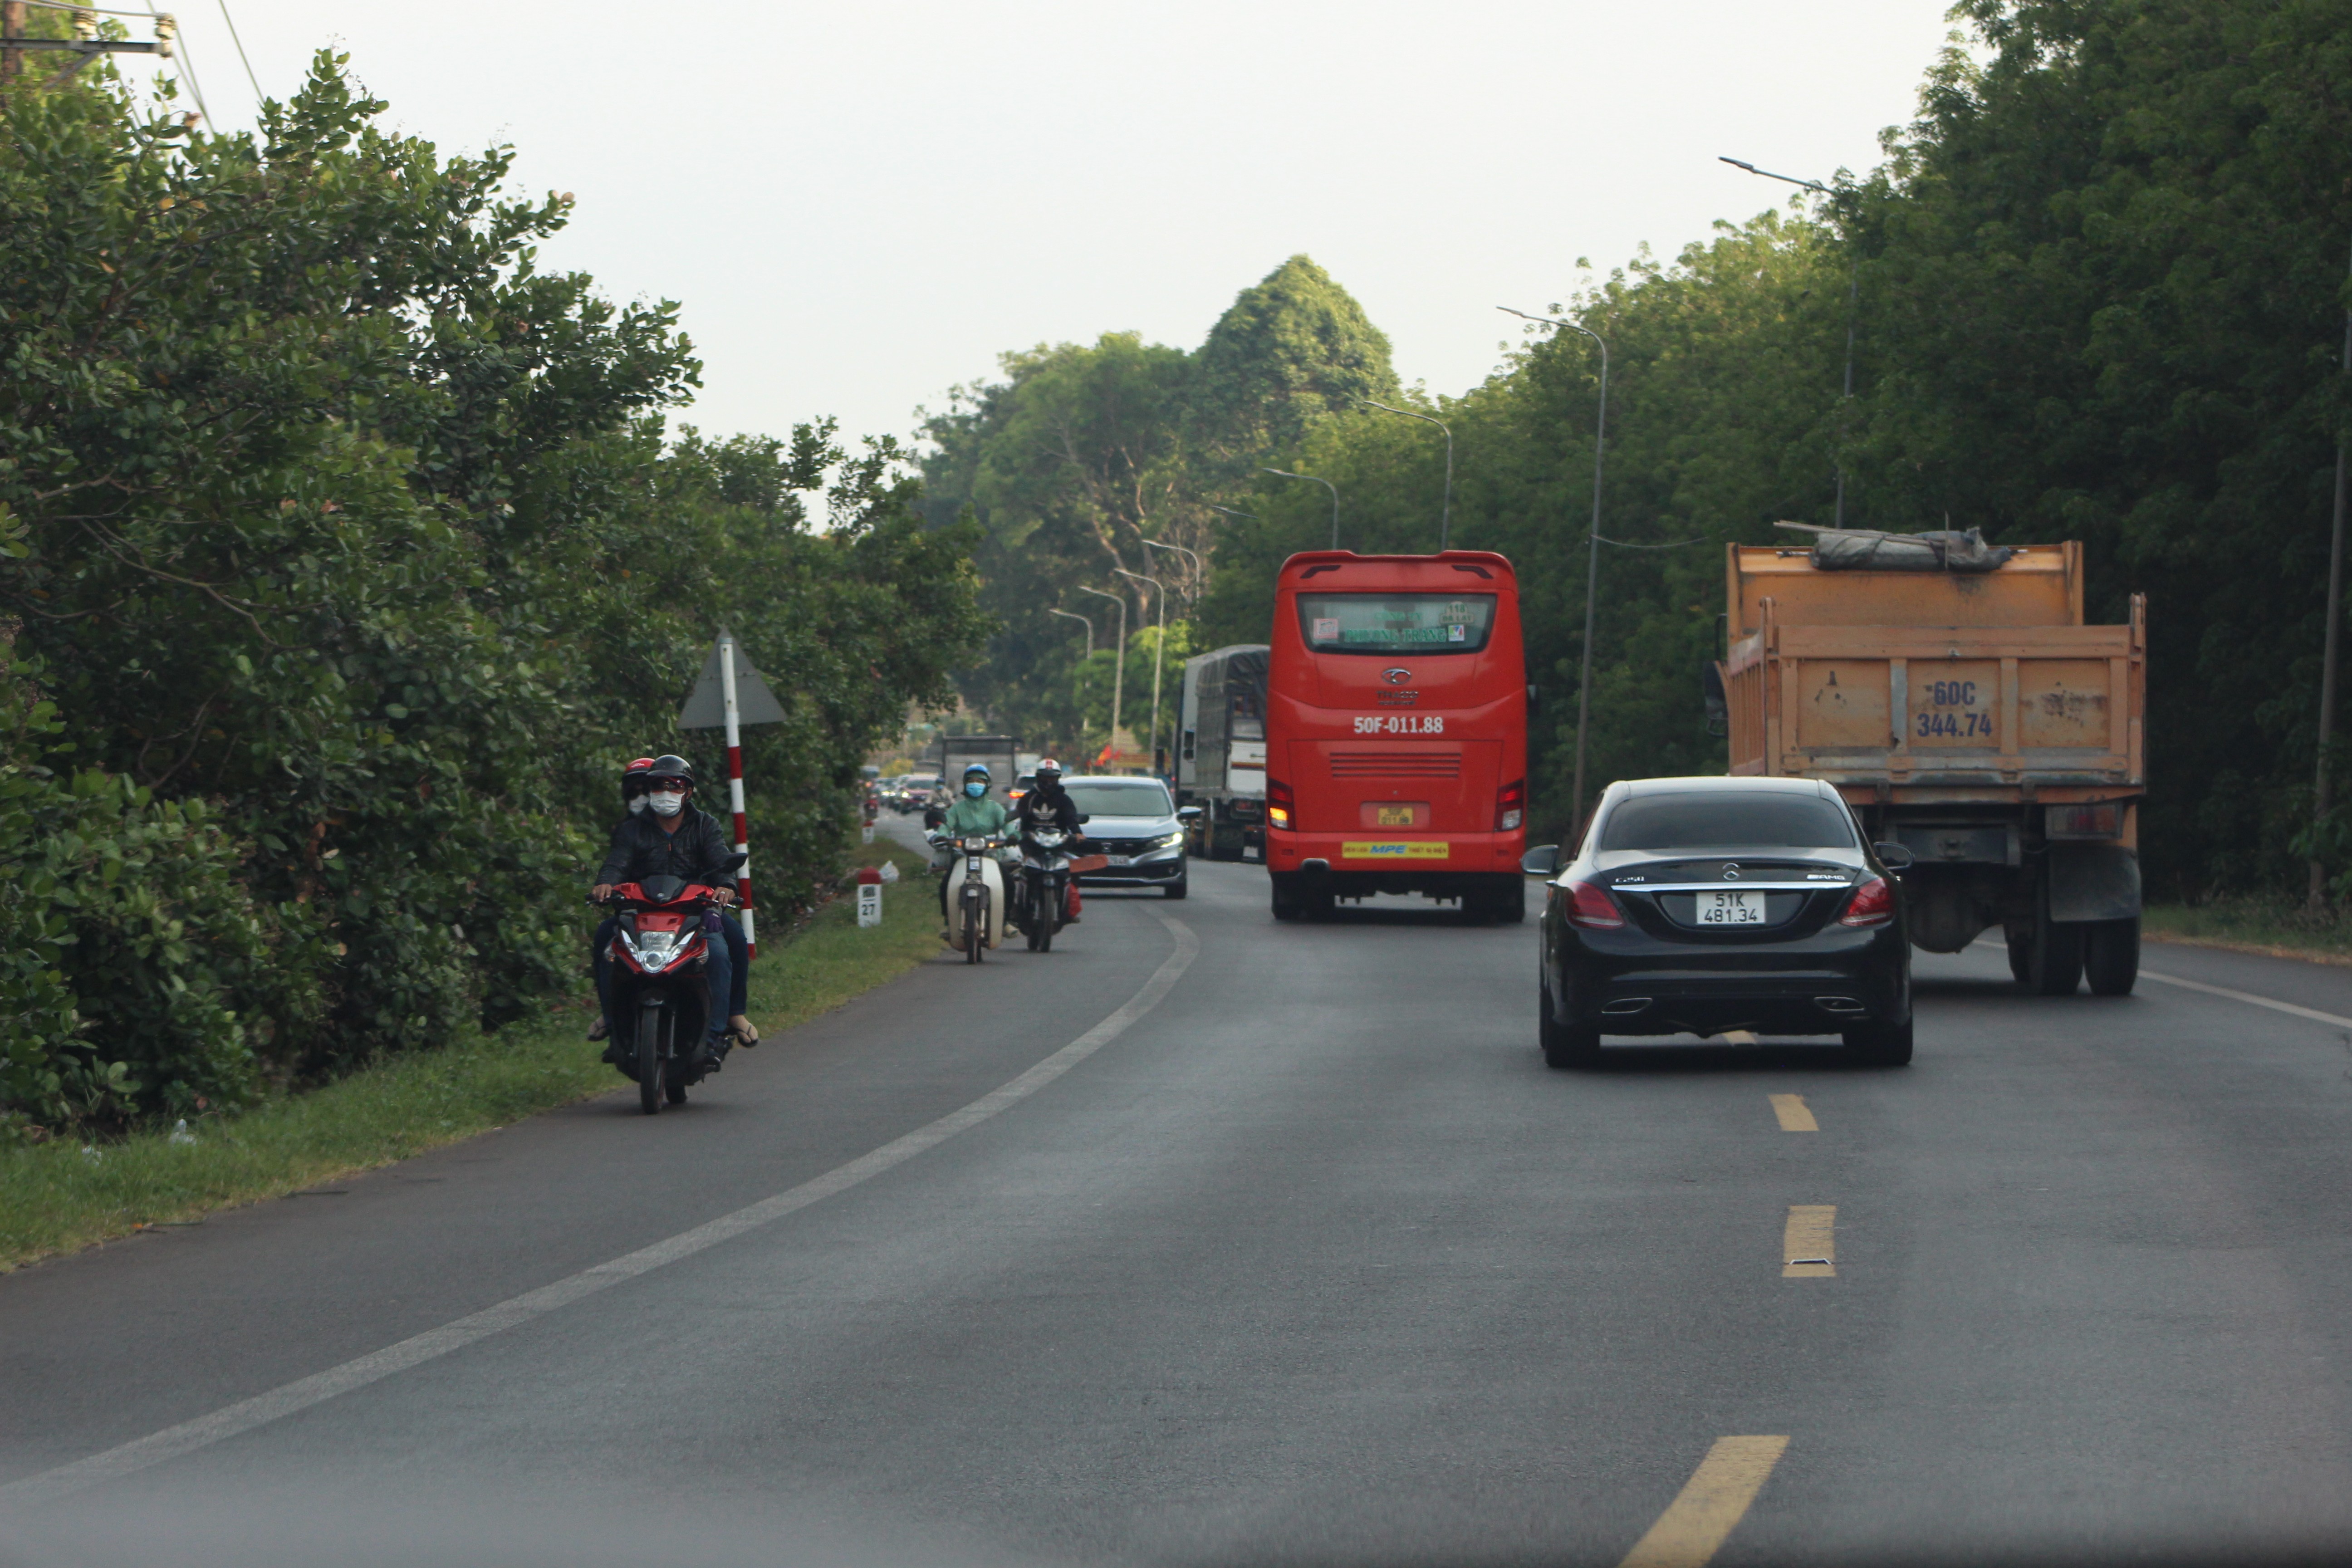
[(861, 206)]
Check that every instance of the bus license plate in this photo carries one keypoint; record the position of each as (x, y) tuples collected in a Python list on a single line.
[(1731, 909)]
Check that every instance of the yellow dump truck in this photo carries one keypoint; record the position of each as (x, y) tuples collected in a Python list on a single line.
[(1973, 719)]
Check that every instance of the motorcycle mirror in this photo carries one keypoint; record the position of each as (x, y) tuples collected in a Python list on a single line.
[(1085, 818), (734, 862)]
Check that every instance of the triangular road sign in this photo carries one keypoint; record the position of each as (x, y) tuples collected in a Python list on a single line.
[(705, 706)]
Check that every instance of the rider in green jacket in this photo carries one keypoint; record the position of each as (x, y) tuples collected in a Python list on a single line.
[(973, 813)]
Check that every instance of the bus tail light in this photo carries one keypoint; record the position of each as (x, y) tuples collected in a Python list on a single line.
[(1511, 805), (1279, 804), (1592, 906), (1872, 904)]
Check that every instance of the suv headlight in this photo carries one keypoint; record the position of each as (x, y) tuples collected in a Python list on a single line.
[(1168, 840)]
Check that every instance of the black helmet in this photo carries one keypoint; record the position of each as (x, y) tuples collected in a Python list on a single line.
[(672, 769)]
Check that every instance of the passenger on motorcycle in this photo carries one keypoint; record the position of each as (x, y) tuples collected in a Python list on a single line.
[(1050, 806), (973, 813), (730, 929), (672, 838)]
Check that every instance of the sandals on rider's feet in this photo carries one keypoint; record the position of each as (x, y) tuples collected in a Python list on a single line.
[(748, 1035), (599, 1029)]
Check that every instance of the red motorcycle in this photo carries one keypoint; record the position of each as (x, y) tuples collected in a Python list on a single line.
[(661, 1003)]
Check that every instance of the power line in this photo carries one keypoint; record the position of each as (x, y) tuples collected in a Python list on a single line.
[(188, 65), (240, 54)]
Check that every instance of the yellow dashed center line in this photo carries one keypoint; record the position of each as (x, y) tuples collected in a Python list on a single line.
[(1710, 1505), (1809, 1244), (1794, 1117)]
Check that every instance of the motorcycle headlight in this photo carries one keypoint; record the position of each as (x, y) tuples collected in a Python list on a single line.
[(655, 950)]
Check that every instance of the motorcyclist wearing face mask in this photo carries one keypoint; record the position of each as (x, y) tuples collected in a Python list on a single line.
[(973, 813), (672, 838), (633, 797), (1050, 806)]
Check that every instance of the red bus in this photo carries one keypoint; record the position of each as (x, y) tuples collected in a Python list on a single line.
[(1396, 731)]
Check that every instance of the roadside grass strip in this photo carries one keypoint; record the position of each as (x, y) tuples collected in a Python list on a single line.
[(1710, 1505), (65, 1195), (1793, 1114), (1808, 1242)]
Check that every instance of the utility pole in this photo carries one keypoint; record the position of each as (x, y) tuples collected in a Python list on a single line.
[(12, 27), (1073, 615), (1446, 516), (1592, 556), (1287, 474), (1118, 657), (2317, 895), (1158, 653)]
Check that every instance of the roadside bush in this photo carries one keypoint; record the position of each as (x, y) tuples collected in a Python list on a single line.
[(346, 557)]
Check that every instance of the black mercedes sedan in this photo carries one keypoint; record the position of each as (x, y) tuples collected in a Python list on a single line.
[(1704, 905)]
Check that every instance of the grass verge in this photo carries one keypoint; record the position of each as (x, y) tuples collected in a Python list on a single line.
[(2280, 928), (60, 1196)]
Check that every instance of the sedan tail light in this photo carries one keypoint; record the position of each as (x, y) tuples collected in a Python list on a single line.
[(1511, 805), (1279, 804), (1592, 906), (1872, 904)]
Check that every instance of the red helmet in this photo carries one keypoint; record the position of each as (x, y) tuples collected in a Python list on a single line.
[(634, 776)]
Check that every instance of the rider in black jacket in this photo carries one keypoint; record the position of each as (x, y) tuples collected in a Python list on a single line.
[(1050, 806), (672, 838)]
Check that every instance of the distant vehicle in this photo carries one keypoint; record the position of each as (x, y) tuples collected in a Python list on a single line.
[(1969, 715), (1221, 749), (1396, 732), (914, 791), (1134, 822), (950, 754), (1023, 782), (1704, 905)]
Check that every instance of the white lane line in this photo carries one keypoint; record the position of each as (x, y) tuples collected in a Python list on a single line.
[(2248, 998), (229, 1421), (2335, 1019)]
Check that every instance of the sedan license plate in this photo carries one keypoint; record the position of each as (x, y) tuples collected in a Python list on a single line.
[(1122, 859), (1724, 908)]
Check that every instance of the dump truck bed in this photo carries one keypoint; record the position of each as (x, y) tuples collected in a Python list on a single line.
[(1912, 688)]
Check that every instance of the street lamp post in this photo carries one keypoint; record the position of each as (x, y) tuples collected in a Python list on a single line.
[(1073, 615), (1158, 653), (1195, 560), (1592, 554), (1118, 658), (1285, 473), (1445, 518), (1852, 308)]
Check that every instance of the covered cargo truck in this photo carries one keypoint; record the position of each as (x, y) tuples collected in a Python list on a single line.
[(1221, 749), (1973, 719)]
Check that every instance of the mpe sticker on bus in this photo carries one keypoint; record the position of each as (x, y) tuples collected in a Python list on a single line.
[(1327, 628), (1392, 849)]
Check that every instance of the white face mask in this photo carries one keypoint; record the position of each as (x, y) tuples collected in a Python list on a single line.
[(665, 803), (637, 803)]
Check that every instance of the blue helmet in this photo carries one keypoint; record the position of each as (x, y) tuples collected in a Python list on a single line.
[(980, 768)]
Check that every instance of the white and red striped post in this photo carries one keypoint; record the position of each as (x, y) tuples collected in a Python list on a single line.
[(735, 790)]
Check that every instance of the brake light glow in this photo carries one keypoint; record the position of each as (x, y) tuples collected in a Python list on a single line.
[(1592, 906), (1511, 805), (2084, 821), (1872, 904), (1279, 804)]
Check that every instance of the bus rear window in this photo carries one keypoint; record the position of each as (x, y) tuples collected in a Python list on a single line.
[(1396, 623)]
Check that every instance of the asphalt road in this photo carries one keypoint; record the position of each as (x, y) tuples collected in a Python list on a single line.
[(1208, 1240)]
